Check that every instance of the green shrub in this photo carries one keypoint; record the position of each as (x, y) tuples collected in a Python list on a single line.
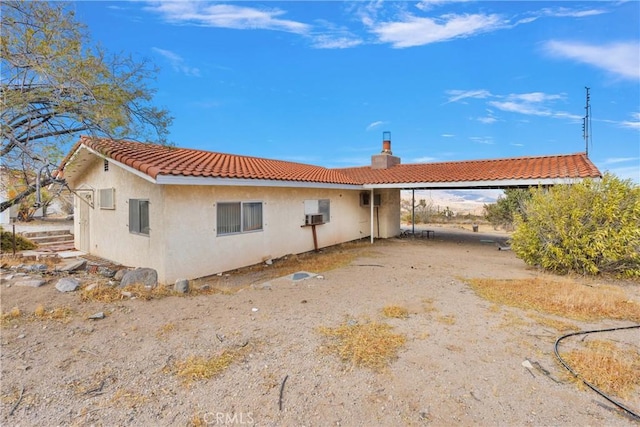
[(589, 228), (22, 244), (503, 212)]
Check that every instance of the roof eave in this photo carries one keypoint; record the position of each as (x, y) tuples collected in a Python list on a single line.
[(245, 182), (485, 184)]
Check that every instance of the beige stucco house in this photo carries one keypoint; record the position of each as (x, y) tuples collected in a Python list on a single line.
[(191, 213)]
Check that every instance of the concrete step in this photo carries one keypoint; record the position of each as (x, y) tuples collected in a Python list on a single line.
[(44, 233), (50, 237)]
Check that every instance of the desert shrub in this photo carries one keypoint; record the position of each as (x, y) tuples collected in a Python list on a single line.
[(588, 228), (22, 243), (502, 213)]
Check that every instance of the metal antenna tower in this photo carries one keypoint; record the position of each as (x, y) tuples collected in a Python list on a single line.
[(586, 123)]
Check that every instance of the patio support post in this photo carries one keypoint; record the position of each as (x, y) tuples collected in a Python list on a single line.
[(371, 203), (413, 211)]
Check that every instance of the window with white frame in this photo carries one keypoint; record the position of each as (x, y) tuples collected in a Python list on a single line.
[(318, 206), (139, 216), (238, 217), (107, 199)]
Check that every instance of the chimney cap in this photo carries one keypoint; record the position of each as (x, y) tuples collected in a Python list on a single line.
[(386, 135)]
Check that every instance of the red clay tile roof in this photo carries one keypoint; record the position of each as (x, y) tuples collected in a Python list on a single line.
[(154, 160), (523, 168), (157, 160)]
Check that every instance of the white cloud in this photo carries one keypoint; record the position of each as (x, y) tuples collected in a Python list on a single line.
[(487, 120), (447, 135), (177, 63), (326, 41), (520, 107), (482, 140), (614, 160), (564, 12), (227, 16), (417, 31), (424, 160), (621, 59), (458, 95), (532, 103), (375, 125), (516, 144), (430, 4), (634, 123), (630, 172)]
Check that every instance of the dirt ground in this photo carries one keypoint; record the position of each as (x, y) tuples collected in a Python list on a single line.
[(462, 363)]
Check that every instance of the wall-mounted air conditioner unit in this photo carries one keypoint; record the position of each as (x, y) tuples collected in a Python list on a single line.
[(313, 219), (365, 199)]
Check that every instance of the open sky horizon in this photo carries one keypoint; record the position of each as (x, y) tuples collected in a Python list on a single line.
[(319, 82)]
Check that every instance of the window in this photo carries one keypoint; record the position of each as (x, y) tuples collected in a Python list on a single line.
[(107, 198), (321, 206), (239, 217), (139, 216)]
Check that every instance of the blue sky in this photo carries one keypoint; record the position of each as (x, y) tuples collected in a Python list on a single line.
[(319, 82)]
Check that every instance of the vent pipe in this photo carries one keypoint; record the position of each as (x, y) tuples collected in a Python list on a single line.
[(386, 143)]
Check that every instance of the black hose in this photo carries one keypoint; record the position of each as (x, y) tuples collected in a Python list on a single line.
[(591, 386)]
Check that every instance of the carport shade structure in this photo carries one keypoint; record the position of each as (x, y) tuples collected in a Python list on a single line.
[(519, 172)]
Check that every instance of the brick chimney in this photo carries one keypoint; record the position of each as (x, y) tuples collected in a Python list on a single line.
[(385, 159)]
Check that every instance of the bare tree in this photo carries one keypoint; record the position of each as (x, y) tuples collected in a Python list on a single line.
[(55, 84)]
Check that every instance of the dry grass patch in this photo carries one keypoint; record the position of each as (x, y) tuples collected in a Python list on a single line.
[(562, 298), (129, 398), (59, 314), (395, 311), (449, 319), (165, 329), (107, 293), (196, 368), (608, 367), (370, 345), (556, 324), (10, 317)]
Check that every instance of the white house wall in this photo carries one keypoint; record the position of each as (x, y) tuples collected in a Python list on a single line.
[(109, 228), (190, 217), (183, 241)]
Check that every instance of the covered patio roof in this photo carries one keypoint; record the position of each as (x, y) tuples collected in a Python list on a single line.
[(479, 174)]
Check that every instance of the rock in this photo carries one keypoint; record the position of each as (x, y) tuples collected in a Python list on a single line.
[(269, 262), (67, 284), (33, 283), (120, 274), (36, 267), (91, 287), (126, 294), (205, 287), (182, 286), (144, 276), (97, 316), (106, 272), (254, 309), (72, 265)]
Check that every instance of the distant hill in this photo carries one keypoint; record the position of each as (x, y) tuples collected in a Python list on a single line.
[(461, 202)]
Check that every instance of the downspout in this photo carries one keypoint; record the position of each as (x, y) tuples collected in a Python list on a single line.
[(371, 203)]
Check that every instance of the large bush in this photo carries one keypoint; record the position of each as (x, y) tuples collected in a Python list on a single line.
[(503, 212), (588, 228)]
